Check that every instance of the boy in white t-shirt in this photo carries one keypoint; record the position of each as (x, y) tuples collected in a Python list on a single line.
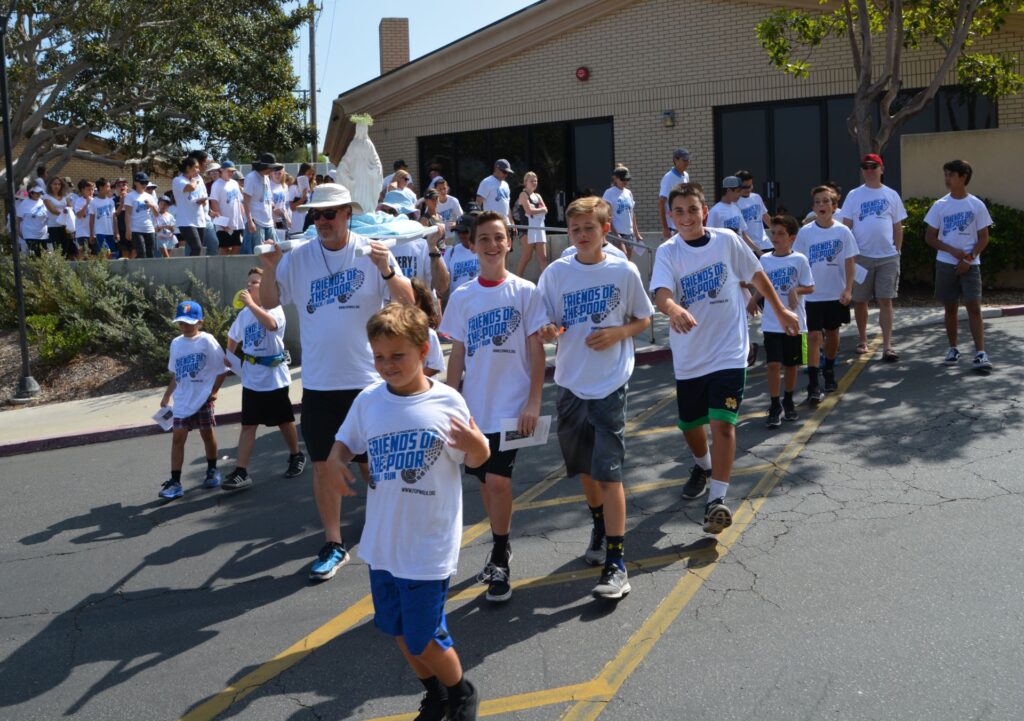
[(448, 206), (600, 302), (831, 251), (697, 281), (460, 259), (493, 323), (755, 214), (620, 198), (790, 275), (104, 228), (726, 212), (957, 227), (197, 362), (265, 381), (416, 432)]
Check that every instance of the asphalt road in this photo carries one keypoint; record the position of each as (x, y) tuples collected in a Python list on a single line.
[(875, 572)]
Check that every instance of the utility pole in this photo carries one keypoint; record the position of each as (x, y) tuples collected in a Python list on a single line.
[(305, 116), (312, 83)]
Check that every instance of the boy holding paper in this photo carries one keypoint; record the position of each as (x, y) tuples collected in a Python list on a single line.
[(493, 322)]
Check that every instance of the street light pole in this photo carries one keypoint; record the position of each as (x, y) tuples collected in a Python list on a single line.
[(27, 386)]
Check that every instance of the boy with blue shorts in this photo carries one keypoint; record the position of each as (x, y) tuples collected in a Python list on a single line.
[(600, 302), (416, 432)]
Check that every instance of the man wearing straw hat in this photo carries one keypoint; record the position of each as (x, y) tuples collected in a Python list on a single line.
[(335, 289)]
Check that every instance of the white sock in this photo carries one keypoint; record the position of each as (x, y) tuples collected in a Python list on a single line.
[(718, 490), (703, 461)]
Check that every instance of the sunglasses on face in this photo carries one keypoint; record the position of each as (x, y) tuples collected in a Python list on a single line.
[(325, 214), (746, 187), (869, 166)]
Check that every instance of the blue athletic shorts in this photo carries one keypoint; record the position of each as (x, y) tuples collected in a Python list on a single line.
[(411, 609)]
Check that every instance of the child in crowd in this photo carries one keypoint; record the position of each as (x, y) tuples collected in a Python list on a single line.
[(426, 302), (197, 362), (32, 220), (957, 227), (164, 226), (81, 204), (790, 275), (416, 432), (600, 302), (103, 226), (265, 381), (697, 281), (460, 259), (493, 323), (727, 213), (831, 251)]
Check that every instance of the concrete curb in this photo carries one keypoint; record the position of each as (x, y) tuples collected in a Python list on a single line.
[(649, 355)]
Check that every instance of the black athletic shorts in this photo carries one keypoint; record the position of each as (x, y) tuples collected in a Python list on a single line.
[(785, 349), (500, 463), (715, 396), (323, 412), (826, 314), (266, 408), (229, 239)]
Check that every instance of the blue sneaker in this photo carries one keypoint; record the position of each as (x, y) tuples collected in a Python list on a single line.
[(212, 478), (170, 490), (331, 557)]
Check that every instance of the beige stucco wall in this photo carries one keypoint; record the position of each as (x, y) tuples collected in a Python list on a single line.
[(648, 57), (995, 156)]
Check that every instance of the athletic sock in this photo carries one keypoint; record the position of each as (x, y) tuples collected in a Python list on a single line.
[(294, 455), (787, 399), (718, 490), (776, 403), (613, 556), (241, 470), (704, 461), (176, 477), (499, 552), (459, 692), (812, 375), (211, 464), (597, 513), (434, 687), (830, 363)]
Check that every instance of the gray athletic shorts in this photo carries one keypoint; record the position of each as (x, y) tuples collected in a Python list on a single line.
[(882, 281), (592, 434), (950, 287)]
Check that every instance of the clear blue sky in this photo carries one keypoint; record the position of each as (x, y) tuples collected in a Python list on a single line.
[(347, 52)]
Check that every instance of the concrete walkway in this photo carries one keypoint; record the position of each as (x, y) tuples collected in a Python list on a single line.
[(127, 415)]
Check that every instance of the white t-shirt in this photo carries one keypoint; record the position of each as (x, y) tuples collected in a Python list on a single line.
[(228, 195), (753, 210), (826, 250), (32, 214), (608, 249), (257, 187), (257, 341), (958, 222), (462, 263), (414, 259), (202, 209), (298, 216), (413, 525), (450, 211), (706, 281), (164, 223), (196, 363), (495, 194), (279, 201), (138, 204), (435, 356), (785, 273), (185, 209), (493, 325), (82, 224), (335, 293), (668, 181), (55, 220), (582, 299), (727, 215), (102, 209), (621, 200), (874, 211)]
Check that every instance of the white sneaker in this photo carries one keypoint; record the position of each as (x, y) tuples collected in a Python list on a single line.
[(981, 362), (952, 356)]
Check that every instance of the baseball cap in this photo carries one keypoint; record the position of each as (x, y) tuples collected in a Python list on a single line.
[(503, 165), (622, 173), (188, 312), (39, 187), (465, 222), (681, 154), (227, 165), (872, 158), (141, 178), (731, 182)]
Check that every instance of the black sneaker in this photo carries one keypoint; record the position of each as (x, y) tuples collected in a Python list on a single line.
[(236, 481), (789, 412), (717, 516), (488, 570), (774, 417), (830, 381), (433, 706), (296, 464), (499, 589), (815, 396), (464, 709), (697, 486), (614, 583)]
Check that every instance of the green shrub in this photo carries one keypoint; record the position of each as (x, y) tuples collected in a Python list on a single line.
[(1005, 249)]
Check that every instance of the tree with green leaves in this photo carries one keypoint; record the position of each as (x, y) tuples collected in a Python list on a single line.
[(879, 32), (151, 78)]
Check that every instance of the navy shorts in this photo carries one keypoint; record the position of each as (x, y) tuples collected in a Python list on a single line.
[(411, 609), (323, 412), (826, 314), (592, 434), (715, 396), (789, 350), (268, 408), (500, 463)]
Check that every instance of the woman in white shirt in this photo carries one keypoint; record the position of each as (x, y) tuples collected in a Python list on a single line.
[(279, 201), (58, 212), (299, 193), (226, 204), (142, 208), (536, 240)]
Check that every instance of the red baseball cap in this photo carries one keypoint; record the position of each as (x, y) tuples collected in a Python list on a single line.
[(872, 158)]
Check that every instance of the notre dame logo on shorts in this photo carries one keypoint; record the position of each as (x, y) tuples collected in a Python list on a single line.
[(731, 403)]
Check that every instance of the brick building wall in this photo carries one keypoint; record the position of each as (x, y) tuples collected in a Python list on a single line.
[(647, 58), (394, 43)]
